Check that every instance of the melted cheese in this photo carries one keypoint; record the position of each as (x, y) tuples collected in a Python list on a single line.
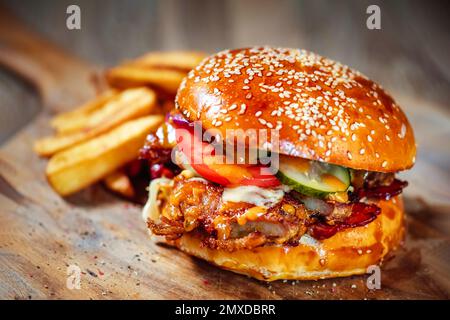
[(261, 197), (251, 214), (333, 182)]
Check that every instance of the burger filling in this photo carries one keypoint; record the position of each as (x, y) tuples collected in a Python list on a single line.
[(237, 206)]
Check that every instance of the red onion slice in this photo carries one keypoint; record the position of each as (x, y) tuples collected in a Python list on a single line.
[(179, 121)]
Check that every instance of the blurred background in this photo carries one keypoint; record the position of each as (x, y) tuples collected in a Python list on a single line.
[(409, 55)]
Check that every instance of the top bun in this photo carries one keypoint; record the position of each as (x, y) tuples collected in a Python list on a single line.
[(323, 110)]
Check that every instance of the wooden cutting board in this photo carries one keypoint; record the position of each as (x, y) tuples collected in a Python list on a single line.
[(41, 234)]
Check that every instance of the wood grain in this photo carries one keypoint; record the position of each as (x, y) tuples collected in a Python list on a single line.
[(41, 234)]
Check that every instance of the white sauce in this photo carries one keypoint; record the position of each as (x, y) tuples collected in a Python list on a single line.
[(151, 208), (261, 197)]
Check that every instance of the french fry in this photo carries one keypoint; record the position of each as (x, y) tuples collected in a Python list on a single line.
[(94, 141), (132, 76), (64, 121), (164, 70), (76, 168), (118, 182), (183, 60), (127, 105)]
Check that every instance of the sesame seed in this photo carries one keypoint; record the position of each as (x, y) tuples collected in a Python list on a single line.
[(312, 91), (402, 133), (243, 108)]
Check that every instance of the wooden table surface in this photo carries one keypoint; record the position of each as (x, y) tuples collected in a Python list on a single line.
[(42, 234)]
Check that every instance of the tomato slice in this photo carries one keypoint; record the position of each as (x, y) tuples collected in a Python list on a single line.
[(202, 159), (261, 177), (210, 174)]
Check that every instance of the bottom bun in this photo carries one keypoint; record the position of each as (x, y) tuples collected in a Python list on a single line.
[(349, 252)]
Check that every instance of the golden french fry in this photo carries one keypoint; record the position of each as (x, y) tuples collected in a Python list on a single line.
[(127, 105), (62, 121), (184, 60), (132, 76), (76, 168), (120, 183)]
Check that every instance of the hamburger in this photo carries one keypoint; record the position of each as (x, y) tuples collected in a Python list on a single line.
[(327, 204)]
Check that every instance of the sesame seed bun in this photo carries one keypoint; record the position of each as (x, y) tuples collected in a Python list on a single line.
[(323, 110), (348, 252)]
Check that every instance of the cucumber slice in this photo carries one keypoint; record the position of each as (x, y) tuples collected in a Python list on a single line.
[(313, 178)]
